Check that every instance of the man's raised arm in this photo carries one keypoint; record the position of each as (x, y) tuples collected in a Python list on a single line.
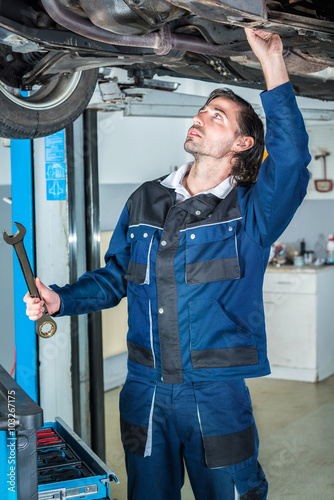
[(268, 48)]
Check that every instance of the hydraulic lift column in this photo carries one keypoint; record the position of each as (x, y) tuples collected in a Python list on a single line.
[(23, 212), (93, 262)]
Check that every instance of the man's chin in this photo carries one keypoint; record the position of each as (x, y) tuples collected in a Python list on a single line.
[(189, 146)]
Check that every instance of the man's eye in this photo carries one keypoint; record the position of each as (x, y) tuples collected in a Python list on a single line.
[(217, 115)]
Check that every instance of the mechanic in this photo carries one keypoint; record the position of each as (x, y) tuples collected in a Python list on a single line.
[(190, 251)]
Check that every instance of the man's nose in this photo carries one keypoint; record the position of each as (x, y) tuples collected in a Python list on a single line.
[(199, 119)]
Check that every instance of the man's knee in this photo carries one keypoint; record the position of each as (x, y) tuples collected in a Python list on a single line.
[(251, 483)]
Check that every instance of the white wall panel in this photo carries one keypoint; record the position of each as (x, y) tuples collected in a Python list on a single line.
[(135, 149), (5, 177)]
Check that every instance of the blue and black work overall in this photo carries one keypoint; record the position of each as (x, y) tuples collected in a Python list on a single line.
[(193, 274)]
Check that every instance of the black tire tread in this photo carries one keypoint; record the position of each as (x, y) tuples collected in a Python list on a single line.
[(17, 122)]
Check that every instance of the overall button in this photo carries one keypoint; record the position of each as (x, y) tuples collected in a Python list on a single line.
[(132, 235), (145, 235), (230, 228), (193, 236), (163, 243), (161, 311), (198, 212)]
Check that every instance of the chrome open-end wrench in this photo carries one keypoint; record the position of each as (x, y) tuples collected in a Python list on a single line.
[(45, 326)]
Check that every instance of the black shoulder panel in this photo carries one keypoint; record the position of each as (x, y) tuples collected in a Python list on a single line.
[(228, 208), (150, 203)]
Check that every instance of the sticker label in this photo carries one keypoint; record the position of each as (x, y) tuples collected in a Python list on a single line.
[(55, 147), (55, 166)]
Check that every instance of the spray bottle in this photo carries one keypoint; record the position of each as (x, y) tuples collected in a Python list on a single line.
[(330, 250)]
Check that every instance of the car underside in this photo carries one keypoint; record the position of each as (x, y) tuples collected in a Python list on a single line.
[(51, 48)]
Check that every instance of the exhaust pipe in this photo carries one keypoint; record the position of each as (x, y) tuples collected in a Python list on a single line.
[(162, 42)]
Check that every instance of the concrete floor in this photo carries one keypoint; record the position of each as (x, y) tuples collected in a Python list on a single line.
[(295, 421)]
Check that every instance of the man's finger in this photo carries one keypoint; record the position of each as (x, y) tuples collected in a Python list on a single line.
[(35, 317)]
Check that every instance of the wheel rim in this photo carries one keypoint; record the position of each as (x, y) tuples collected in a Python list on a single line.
[(46, 96)]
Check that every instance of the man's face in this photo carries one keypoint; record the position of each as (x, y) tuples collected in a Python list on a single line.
[(215, 129)]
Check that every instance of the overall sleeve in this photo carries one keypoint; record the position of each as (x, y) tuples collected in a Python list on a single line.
[(283, 177), (104, 287)]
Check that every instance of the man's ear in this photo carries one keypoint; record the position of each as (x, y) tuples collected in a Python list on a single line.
[(242, 143)]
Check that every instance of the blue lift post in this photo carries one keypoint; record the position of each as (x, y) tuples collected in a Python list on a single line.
[(23, 212), (3, 465)]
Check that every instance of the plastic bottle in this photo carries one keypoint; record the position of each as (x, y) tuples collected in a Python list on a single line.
[(330, 250), (302, 247)]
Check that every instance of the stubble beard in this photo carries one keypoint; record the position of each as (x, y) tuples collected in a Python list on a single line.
[(193, 149), (197, 152)]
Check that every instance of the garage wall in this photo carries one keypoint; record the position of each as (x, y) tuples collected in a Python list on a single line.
[(6, 266), (112, 200), (5, 176), (135, 149)]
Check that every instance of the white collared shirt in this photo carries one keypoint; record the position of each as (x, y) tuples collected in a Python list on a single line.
[(174, 181)]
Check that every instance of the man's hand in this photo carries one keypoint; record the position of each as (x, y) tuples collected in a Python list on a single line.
[(268, 48), (263, 43), (35, 306)]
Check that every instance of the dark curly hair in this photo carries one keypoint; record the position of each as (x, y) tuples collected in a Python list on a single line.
[(247, 163)]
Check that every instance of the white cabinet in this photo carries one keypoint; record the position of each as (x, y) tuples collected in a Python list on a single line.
[(299, 309)]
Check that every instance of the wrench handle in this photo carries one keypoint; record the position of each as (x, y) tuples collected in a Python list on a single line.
[(45, 326), (26, 269)]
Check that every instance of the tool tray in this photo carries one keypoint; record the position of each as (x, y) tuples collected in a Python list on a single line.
[(67, 467), (50, 462)]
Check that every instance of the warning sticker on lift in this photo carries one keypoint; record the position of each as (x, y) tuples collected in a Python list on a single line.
[(55, 166)]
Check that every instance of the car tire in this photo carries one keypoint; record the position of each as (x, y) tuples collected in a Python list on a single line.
[(47, 109)]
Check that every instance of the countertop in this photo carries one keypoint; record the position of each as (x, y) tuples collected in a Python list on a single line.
[(296, 269)]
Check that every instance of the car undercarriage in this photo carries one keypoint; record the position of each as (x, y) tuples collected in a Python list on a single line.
[(49, 47)]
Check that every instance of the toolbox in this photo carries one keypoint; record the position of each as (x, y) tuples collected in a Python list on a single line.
[(67, 468), (44, 462)]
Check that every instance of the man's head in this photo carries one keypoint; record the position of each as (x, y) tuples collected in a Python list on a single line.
[(227, 126)]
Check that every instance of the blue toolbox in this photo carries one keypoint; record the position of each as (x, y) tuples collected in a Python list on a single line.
[(44, 462)]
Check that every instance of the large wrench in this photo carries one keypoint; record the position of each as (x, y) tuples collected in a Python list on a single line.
[(45, 326)]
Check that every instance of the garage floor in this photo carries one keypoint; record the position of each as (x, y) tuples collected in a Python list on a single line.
[(295, 421)]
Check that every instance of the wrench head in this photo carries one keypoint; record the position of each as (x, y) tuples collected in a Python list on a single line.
[(15, 238)]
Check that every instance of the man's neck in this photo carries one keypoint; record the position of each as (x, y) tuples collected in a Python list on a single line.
[(205, 175)]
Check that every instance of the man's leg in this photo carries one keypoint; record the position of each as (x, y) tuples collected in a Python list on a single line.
[(219, 484), (159, 476), (242, 479)]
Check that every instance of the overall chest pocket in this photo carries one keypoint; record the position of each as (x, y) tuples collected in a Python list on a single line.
[(212, 254), (141, 239)]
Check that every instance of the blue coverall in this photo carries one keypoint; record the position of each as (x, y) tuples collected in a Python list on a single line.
[(193, 275)]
